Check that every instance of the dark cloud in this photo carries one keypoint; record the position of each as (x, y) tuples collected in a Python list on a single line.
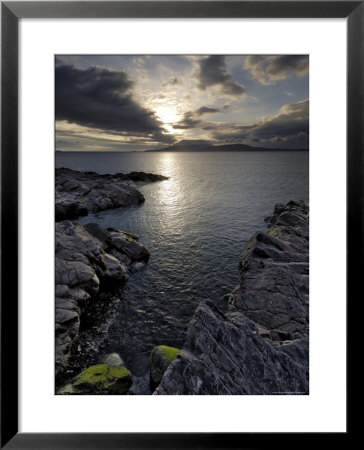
[(171, 82), (188, 121), (101, 98), (291, 120), (290, 127), (206, 110), (270, 69), (62, 143), (191, 118), (213, 72)]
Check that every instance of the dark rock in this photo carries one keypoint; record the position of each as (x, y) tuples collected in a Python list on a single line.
[(274, 274), (141, 176), (78, 193), (123, 243), (100, 233), (69, 210), (225, 354), (87, 264), (136, 266), (261, 345), (278, 335)]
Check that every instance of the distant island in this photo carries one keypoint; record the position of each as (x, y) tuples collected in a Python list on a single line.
[(207, 146)]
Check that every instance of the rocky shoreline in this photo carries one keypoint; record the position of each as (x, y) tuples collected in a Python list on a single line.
[(78, 193), (261, 346), (90, 261)]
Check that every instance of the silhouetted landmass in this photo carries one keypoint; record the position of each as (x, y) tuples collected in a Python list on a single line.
[(206, 146)]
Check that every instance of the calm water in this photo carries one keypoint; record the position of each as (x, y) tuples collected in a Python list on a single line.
[(195, 225)]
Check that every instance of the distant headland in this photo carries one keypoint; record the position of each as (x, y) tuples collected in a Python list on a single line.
[(207, 146)]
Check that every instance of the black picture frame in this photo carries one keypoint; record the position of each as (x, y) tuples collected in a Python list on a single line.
[(11, 12)]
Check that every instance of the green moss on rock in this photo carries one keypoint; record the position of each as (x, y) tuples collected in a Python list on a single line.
[(160, 358), (100, 379), (130, 237), (168, 353)]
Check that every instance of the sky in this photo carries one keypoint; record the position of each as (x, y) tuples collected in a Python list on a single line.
[(145, 102)]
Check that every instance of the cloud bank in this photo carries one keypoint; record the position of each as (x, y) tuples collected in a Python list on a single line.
[(289, 127), (101, 98), (270, 69), (192, 119), (213, 72)]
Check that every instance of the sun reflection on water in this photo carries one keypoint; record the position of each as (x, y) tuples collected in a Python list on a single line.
[(169, 190), (167, 164)]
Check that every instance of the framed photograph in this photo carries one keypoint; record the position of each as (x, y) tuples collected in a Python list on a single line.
[(181, 199)]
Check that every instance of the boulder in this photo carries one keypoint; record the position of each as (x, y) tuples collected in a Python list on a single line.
[(160, 358), (113, 360), (101, 379)]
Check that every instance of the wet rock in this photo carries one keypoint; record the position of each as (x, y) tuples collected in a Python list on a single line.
[(78, 193), (225, 355), (274, 274), (278, 335), (261, 345), (141, 176), (68, 208), (99, 233), (101, 379), (129, 247), (135, 267), (113, 360), (160, 358), (86, 266)]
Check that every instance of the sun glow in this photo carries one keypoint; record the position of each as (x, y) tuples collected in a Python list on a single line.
[(168, 115)]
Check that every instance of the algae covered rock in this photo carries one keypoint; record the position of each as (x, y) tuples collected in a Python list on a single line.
[(100, 379), (160, 358)]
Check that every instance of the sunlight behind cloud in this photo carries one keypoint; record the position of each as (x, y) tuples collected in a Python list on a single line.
[(168, 115)]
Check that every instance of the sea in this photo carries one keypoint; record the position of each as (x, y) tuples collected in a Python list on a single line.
[(195, 225)]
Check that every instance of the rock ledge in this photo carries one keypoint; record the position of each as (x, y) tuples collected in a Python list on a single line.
[(78, 193)]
